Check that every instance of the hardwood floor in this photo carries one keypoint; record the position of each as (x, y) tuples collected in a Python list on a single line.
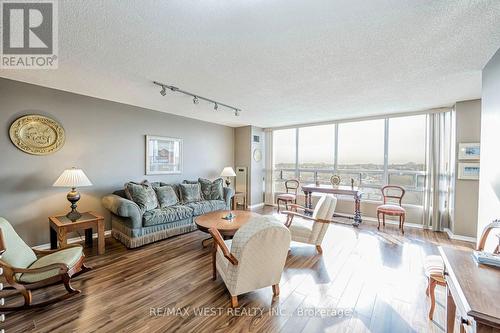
[(377, 275)]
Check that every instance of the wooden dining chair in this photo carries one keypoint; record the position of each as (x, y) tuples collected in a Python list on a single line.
[(392, 192), (292, 187)]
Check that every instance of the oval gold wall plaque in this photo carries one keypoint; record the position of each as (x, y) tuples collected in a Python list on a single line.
[(37, 135)]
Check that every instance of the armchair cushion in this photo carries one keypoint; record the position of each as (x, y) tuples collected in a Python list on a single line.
[(287, 196), (301, 230), (69, 257), (142, 194), (17, 253), (212, 190)]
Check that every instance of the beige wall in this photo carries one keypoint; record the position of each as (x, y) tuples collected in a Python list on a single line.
[(104, 138), (468, 130), (489, 182), (243, 156)]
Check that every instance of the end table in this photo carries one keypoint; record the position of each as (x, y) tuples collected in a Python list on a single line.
[(60, 226)]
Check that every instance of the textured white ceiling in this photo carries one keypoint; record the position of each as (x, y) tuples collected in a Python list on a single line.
[(282, 61)]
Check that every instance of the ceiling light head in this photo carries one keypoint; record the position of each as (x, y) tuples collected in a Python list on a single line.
[(163, 91), (216, 106), (195, 100)]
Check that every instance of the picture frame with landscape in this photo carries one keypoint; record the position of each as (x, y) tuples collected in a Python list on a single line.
[(468, 171), (469, 151), (163, 155)]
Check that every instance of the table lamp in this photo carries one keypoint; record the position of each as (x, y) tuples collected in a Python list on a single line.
[(73, 178), (228, 172)]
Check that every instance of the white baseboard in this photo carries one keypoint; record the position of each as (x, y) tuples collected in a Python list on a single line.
[(451, 235), (259, 205), (46, 246), (387, 221)]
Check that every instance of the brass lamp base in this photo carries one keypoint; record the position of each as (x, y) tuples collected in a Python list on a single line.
[(228, 181), (73, 197)]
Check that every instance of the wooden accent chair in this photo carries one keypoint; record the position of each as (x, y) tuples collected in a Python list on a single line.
[(292, 187), (434, 266), (311, 229), (253, 259), (26, 269), (391, 208)]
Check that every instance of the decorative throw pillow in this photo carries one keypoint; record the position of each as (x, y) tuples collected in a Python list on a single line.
[(142, 194), (212, 190), (189, 181), (166, 196), (190, 192)]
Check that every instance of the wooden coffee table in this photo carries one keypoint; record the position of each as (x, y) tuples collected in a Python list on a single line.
[(226, 228)]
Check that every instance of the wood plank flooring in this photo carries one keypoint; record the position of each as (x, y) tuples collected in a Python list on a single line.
[(377, 277)]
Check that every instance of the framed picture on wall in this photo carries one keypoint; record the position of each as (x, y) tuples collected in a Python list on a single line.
[(468, 171), (469, 151), (163, 155)]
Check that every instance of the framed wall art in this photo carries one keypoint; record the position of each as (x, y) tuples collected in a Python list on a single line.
[(469, 151), (468, 171), (163, 155)]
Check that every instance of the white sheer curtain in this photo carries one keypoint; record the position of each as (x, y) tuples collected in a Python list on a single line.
[(269, 188), (439, 187)]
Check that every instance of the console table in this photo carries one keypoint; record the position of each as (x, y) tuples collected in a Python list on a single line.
[(472, 293), (340, 190)]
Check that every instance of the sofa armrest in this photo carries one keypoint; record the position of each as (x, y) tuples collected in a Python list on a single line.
[(124, 208), (228, 194)]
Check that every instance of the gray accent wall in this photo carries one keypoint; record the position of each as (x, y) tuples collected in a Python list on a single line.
[(489, 179), (468, 130), (105, 139)]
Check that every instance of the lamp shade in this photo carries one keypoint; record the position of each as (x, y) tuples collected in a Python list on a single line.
[(228, 172), (72, 178)]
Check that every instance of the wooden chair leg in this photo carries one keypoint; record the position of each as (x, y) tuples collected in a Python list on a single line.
[(67, 284), (432, 286), (403, 217), (276, 289), (278, 203), (378, 219), (319, 249), (383, 219), (234, 301), (27, 297), (428, 286), (214, 266)]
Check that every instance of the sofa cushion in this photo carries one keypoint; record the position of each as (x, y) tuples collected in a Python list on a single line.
[(142, 194), (190, 192), (166, 215), (166, 196), (206, 206), (212, 190)]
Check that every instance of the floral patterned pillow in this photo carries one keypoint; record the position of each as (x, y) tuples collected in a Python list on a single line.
[(212, 190), (190, 192), (142, 194)]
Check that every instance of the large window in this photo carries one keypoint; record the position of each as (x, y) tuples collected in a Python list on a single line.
[(361, 156), (370, 152), (284, 151), (316, 153), (406, 156)]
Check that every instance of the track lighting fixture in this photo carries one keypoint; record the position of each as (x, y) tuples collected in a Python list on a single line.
[(196, 98)]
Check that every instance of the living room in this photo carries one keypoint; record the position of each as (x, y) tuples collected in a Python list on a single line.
[(320, 166)]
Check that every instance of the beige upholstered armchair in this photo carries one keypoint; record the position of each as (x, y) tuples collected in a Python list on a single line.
[(25, 269), (311, 229), (254, 258)]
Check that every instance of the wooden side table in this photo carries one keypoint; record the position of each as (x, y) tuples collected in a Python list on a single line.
[(60, 226), (239, 195)]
